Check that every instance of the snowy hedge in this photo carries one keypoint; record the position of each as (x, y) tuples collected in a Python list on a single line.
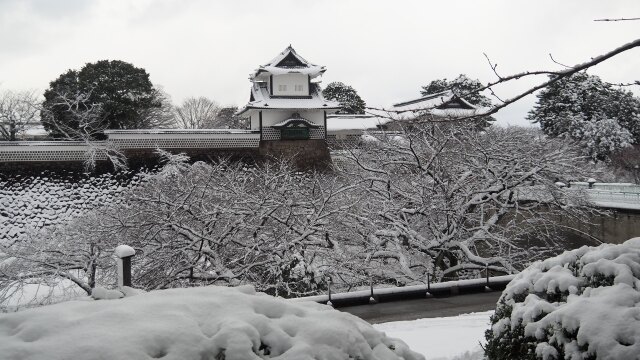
[(196, 323), (583, 304)]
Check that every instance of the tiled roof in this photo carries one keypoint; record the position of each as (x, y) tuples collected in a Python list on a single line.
[(262, 100)]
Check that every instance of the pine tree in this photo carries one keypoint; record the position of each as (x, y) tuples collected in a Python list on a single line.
[(592, 112), (347, 96)]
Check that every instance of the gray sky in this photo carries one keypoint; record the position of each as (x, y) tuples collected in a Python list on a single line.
[(386, 50)]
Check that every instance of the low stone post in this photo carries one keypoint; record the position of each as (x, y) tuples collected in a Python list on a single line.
[(124, 253), (591, 182)]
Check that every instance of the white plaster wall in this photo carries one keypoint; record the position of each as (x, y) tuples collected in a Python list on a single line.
[(255, 121), (290, 80)]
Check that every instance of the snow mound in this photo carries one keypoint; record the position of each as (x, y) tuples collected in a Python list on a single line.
[(197, 323), (582, 304)]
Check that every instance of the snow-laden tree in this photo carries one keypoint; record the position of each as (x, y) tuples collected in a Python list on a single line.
[(83, 121), (347, 96), (18, 110), (445, 200), (466, 88), (570, 106), (462, 86), (122, 92), (225, 223)]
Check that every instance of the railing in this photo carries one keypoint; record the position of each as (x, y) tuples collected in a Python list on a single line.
[(611, 198), (447, 288)]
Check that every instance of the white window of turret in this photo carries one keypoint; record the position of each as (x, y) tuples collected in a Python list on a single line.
[(282, 87), (299, 87)]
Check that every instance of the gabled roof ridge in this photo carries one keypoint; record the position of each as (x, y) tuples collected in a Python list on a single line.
[(447, 93), (289, 50)]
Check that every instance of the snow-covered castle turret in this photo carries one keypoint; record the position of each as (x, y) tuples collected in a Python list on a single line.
[(286, 102)]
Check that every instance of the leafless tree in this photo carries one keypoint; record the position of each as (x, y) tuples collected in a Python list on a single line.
[(552, 77), (197, 224), (445, 200), (197, 113), (158, 117), (85, 122), (18, 111)]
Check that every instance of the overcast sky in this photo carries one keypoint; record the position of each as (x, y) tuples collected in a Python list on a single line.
[(386, 50)]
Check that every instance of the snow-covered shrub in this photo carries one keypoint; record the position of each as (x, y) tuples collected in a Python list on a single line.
[(582, 304), (196, 323)]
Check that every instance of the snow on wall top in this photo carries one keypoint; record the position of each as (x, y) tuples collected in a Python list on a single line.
[(196, 323)]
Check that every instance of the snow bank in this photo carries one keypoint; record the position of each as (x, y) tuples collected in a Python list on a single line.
[(584, 303), (196, 323), (455, 337)]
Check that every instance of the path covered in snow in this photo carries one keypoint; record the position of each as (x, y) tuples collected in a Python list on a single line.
[(444, 338)]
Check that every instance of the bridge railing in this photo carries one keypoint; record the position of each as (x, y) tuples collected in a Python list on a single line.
[(614, 197), (446, 288)]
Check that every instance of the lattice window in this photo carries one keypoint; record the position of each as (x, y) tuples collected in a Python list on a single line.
[(269, 133), (47, 155), (317, 133)]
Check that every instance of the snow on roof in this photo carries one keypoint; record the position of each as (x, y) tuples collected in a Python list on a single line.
[(442, 104), (262, 100), (287, 62), (336, 122), (205, 322), (294, 119)]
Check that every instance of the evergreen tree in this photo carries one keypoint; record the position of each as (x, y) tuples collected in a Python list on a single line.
[(467, 89), (347, 96), (122, 91), (463, 86), (586, 109)]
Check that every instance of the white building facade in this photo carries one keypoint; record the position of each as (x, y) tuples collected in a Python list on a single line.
[(286, 101)]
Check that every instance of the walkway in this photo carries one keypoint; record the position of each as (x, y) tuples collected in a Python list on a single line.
[(425, 308)]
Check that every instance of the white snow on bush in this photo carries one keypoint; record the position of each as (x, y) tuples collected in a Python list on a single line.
[(195, 323), (584, 302)]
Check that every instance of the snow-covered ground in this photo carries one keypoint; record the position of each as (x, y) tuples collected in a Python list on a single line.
[(197, 323), (445, 338)]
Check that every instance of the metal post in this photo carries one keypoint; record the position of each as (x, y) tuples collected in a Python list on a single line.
[(372, 299), (486, 269), (330, 303)]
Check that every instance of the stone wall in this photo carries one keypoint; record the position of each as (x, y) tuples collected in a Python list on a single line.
[(303, 154)]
